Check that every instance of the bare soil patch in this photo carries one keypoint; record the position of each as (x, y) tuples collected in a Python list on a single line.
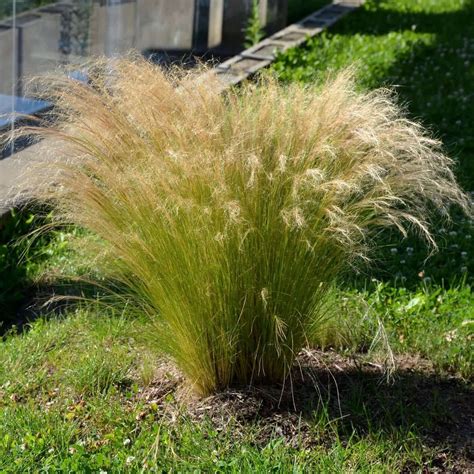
[(353, 392)]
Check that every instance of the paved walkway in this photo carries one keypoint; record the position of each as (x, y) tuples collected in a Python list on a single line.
[(13, 184)]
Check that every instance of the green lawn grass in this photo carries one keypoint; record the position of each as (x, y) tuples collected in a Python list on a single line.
[(431, 321), (72, 388), (425, 51), (73, 399)]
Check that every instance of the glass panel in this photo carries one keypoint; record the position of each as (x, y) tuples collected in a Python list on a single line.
[(36, 36)]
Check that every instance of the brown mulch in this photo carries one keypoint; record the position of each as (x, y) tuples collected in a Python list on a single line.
[(355, 394)]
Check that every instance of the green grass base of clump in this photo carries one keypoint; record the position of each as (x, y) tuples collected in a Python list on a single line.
[(84, 393)]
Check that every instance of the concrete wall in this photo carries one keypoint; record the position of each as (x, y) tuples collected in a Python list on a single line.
[(216, 18), (165, 24), (6, 53), (39, 44), (57, 34), (112, 27), (276, 15)]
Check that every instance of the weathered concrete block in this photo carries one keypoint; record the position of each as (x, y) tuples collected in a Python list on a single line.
[(39, 44), (165, 24), (216, 18), (112, 27), (9, 60)]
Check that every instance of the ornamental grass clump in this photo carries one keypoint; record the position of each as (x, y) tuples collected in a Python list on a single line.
[(228, 217)]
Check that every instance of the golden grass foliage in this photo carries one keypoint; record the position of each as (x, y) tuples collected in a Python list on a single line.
[(229, 216)]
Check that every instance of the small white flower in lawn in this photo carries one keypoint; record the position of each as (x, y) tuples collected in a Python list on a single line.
[(403, 262), (102, 472), (463, 269), (463, 254), (126, 442), (453, 233), (409, 250), (51, 450), (394, 251), (450, 335), (454, 246), (468, 237), (130, 459)]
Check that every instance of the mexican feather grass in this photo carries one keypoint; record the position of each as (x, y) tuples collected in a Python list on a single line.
[(230, 216)]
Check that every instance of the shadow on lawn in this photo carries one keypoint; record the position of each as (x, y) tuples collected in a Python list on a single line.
[(54, 300), (330, 391), (437, 81), (29, 239), (384, 20)]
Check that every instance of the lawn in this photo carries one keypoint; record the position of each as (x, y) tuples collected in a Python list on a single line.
[(81, 390), (82, 394)]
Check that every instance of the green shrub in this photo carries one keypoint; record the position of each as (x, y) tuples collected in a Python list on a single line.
[(229, 217), (30, 242), (23, 251)]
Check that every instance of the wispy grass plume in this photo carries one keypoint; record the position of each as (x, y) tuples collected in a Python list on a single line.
[(230, 216)]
